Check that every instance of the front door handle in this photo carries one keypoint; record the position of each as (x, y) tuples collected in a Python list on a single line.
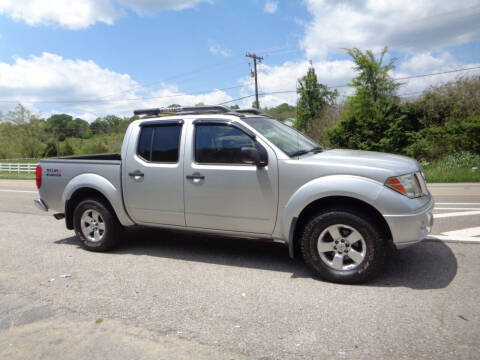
[(136, 173), (195, 176)]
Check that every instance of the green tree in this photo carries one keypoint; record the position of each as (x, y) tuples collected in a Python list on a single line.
[(235, 107), (50, 150), (372, 118), (19, 115), (314, 97), (282, 111), (78, 128), (58, 126), (99, 126), (26, 131), (67, 149)]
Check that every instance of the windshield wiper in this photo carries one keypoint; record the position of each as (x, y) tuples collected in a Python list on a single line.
[(314, 150), (298, 153)]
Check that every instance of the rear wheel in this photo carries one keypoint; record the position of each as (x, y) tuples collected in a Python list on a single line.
[(96, 226), (342, 246)]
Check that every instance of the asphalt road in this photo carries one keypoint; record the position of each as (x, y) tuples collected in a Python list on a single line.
[(173, 296)]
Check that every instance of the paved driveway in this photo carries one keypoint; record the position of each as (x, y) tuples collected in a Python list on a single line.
[(174, 296)]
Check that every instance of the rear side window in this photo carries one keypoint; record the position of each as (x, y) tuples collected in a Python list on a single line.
[(145, 143), (220, 144), (160, 143)]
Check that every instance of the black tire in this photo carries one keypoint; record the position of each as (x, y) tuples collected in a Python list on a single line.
[(112, 228), (373, 241)]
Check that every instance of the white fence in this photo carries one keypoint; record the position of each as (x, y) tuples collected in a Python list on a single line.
[(17, 167)]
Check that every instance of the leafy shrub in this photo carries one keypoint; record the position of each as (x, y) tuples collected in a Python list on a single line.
[(463, 159)]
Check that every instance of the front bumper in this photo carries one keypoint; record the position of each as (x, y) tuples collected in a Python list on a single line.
[(411, 228)]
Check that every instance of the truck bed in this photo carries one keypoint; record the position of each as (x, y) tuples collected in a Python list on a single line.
[(64, 174), (93, 157)]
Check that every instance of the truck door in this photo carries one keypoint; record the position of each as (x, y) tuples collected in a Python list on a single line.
[(221, 192), (153, 173)]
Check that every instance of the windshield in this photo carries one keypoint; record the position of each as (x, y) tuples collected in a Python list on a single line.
[(287, 139)]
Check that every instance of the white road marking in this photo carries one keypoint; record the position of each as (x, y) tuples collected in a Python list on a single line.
[(446, 238), (468, 235), (454, 214), (19, 191), (454, 203), (469, 232), (456, 208)]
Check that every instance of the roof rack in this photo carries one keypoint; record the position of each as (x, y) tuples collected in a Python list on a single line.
[(215, 109), (251, 111)]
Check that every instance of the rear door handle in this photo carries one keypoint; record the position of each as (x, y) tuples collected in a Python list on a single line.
[(195, 176), (136, 173)]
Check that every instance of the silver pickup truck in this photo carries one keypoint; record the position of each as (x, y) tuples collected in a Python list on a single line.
[(243, 174)]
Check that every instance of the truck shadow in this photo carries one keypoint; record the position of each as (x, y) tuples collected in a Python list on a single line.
[(427, 265)]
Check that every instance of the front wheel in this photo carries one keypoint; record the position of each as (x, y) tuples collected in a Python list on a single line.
[(343, 247), (95, 225)]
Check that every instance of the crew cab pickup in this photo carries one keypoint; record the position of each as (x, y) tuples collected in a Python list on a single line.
[(243, 174)]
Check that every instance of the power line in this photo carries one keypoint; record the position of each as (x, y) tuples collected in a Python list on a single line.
[(121, 100), (240, 98), (437, 73), (103, 99), (173, 77), (396, 79), (100, 100), (348, 85), (271, 51)]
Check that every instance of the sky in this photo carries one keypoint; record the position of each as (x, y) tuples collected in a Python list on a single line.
[(90, 58)]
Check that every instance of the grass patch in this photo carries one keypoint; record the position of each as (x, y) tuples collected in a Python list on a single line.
[(454, 168), (437, 175), (21, 161), (17, 176)]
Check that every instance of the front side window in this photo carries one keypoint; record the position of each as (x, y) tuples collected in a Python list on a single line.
[(160, 143), (220, 144)]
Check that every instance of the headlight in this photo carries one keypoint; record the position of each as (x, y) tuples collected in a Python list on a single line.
[(407, 185)]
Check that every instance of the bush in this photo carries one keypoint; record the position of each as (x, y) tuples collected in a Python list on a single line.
[(94, 148), (454, 168), (463, 159), (67, 149)]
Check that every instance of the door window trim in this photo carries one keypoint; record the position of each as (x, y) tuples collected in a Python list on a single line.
[(157, 124), (222, 122)]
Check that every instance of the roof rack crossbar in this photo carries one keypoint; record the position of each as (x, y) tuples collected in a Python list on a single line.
[(194, 109), (250, 111)]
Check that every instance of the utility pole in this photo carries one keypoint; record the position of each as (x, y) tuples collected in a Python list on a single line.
[(255, 58)]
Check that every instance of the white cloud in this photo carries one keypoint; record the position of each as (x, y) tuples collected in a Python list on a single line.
[(38, 80), (410, 26), (71, 14), (49, 75), (216, 49), (271, 7), (149, 6), (278, 81), (282, 80), (428, 63), (418, 29), (79, 14)]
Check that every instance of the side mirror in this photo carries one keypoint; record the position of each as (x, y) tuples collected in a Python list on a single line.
[(252, 156)]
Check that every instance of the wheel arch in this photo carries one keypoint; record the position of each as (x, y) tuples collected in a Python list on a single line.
[(94, 185), (328, 203), (77, 197)]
